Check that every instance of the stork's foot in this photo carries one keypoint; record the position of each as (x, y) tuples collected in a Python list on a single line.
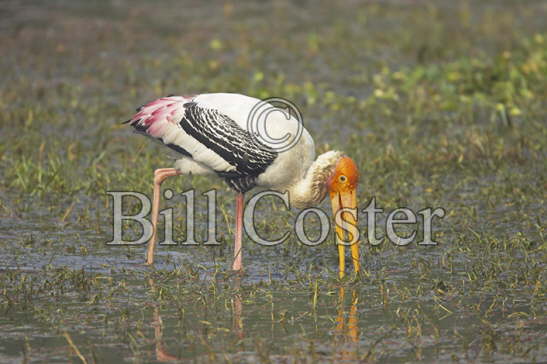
[(237, 274)]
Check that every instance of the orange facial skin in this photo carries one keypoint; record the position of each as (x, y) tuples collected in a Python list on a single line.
[(345, 176)]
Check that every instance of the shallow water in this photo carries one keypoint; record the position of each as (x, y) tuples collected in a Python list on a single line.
[(73, 70)]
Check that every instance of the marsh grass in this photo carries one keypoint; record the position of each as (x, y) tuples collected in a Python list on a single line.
[(442, 104)]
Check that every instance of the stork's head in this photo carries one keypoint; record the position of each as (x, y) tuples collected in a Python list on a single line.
[(335, 174), (342, 188)]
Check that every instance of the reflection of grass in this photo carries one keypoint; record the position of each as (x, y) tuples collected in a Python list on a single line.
[(440, 105)]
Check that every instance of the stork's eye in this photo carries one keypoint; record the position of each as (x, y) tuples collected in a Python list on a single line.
[(343, 179)]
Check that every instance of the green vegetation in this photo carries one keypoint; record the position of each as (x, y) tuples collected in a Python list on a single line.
[(442, 104)]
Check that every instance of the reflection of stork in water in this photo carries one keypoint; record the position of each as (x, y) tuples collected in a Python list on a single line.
[(347, 332), (163, 355), (237, 310)]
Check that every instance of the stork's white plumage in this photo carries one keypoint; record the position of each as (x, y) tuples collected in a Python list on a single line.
[(214, 135)]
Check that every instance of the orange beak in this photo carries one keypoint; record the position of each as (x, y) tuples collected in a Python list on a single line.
[(344, 210)]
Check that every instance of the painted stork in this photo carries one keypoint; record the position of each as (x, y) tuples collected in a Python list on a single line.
[(211, 132)]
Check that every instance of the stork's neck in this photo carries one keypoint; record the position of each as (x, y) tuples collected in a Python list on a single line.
[(312, 189)]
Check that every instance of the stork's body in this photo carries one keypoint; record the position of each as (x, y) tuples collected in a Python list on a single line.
[(215, 134)]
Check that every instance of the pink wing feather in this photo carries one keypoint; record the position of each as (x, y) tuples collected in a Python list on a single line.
[(157, 116)]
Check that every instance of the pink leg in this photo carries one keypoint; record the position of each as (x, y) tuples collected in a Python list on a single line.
[(238, 249), (159, 176)]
